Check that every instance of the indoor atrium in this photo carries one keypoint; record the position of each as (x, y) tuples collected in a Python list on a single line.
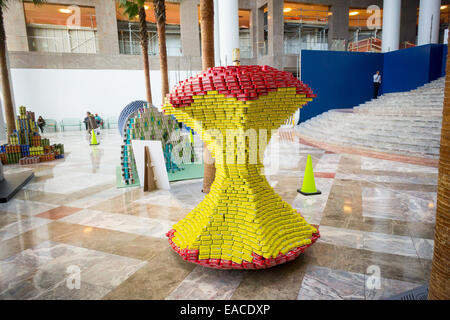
[(250, 150)]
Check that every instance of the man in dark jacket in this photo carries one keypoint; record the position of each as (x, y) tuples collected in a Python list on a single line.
[(92, 123)]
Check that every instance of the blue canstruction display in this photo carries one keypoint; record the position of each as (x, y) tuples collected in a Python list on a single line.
[(127, 112), (147, 123), (25, 149)]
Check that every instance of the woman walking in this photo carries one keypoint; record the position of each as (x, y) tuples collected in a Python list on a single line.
[(41, 123)]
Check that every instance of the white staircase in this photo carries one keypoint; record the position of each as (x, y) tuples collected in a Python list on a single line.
[(407, 123)]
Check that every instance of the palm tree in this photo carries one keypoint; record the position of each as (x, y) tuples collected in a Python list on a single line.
[(207, 32), (439, 286), (134, 8), (4, 72), (160, 15)]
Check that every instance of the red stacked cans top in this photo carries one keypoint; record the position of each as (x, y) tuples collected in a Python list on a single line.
[(240, 82)]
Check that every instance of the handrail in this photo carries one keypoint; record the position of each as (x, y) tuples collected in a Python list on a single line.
[(83, 42), (371, 44), (59, 27)]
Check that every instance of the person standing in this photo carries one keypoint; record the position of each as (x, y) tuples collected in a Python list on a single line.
[(376, 84), (92, 123), (99, 120), (41, 123), (85, 121)]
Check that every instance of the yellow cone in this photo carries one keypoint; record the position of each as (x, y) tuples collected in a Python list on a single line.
[(93, 138), (309, 186), (191, 137)]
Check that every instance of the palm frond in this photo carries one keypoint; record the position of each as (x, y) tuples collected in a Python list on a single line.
[(131, 7), (38, 2)]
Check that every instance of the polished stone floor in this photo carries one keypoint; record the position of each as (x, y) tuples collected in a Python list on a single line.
[(71, 234)]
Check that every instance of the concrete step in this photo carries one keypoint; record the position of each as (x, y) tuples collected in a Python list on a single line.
[(406, 123)]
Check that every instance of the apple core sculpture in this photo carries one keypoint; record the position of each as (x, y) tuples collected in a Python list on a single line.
[(242, 223)]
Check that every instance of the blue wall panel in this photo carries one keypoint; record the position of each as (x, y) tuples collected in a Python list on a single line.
[(406, 69), (436, 56), (340, 79), (444, 60), (344, 79)]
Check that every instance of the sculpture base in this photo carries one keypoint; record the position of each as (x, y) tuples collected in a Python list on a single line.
[(13, 183), (309, 193), (258, 262)]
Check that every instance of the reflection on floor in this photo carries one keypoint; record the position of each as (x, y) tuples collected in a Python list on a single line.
[(71, 234)]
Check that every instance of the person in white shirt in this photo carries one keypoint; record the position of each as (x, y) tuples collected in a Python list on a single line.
[(376, 84)]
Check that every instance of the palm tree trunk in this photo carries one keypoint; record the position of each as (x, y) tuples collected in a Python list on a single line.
[(439, 286), (207, 32), (160, 15), (144, 44), (6, 85)]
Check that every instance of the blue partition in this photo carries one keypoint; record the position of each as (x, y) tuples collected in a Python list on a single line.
[(410, 68), (437, 54), (444, 60), (340, 79), (344, 79)]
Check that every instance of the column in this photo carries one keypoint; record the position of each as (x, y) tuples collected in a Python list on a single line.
[(259, 31), (391, 25), (189, 28), (276, 29), (216, 33), (429, 18), (228, 29), (107, 34), (15, 27), (338, 26), (408, 24)]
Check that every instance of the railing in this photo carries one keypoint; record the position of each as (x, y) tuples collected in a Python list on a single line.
[(246, 52), (366, 45), (52, 39), (295, 48), (134, 48), (407, 44), (245, 45), (56, 44), (262, 47)]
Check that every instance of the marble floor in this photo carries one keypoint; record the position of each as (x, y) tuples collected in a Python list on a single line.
[(71, 234)]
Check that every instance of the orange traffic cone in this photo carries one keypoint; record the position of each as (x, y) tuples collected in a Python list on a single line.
[(309, 185)]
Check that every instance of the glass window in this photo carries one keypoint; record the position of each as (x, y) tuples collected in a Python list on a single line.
[(61, 28), (362, 36), (357, 18), (129, 31), (305, 27), (263, 46), (245, 39)]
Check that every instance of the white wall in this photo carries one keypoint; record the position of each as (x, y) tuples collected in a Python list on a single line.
[(69, 93)]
